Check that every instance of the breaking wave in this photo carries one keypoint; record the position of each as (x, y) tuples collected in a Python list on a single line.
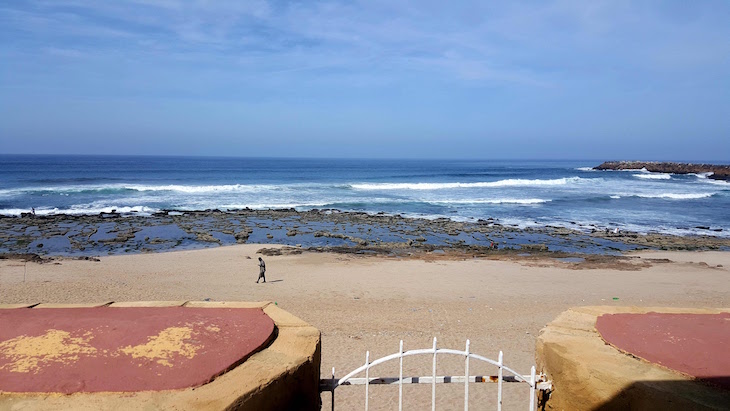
[(673, 196), (143, 188), (513, 182), (654, 176), (522, 201), (81, 210)]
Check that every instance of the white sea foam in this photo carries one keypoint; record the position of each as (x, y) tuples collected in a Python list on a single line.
[(721, 183), (461, 219), (588, 227), (702, 175), (676, 196), (522, 201), (228, 188), (487, 184), (19, 211), (270, 206), (63, 190), (521, 223), (82, 210), (188, 189), (654, 176), (662, 229), (615, 196), (625, 170), (585, 169)]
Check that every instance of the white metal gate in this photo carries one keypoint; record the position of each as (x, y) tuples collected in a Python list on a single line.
[(536, 382)]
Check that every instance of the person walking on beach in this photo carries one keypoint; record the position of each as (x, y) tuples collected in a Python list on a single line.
[(262, 270)]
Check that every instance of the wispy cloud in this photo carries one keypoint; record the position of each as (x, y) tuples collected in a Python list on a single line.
[(379, 70), (512, 43)]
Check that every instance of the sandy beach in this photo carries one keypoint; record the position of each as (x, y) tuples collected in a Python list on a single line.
[(362, 303), (460, 171)]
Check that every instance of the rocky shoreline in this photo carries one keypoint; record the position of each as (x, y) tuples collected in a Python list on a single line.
[(85, 236), (719, 172)]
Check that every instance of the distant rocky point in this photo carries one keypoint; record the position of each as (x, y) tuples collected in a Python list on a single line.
[(719, 172)]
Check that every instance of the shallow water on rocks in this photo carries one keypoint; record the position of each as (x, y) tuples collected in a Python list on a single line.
[(116, 234)]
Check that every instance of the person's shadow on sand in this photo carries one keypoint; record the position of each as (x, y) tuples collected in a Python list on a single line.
[(274, 281)]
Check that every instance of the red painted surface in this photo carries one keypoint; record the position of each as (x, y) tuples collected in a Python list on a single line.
[(694, 344), (217, 339)]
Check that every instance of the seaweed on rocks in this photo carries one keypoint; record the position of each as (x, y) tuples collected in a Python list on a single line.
[(315, 230)]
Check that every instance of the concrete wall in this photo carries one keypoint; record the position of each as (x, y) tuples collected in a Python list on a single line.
[(282, 376), (589, 374)]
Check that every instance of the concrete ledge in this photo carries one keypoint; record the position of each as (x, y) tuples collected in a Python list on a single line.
[(81, 305), (227, 304), (13, 306), (283, 375), (123, 304), (588, 374), (282, 317)]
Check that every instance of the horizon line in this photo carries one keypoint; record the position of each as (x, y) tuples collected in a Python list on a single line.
[(202, 156)]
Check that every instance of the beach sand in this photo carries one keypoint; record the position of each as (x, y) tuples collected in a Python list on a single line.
[(362, 303)]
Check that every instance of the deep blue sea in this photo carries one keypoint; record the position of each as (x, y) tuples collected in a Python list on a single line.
[(523, 193)]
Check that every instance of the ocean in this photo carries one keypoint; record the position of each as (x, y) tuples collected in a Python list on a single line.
[(518, 193)]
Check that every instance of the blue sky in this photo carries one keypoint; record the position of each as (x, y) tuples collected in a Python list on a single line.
[(564, 79)]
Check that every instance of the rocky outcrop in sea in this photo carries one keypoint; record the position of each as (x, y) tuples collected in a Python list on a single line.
[(719, 172)]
